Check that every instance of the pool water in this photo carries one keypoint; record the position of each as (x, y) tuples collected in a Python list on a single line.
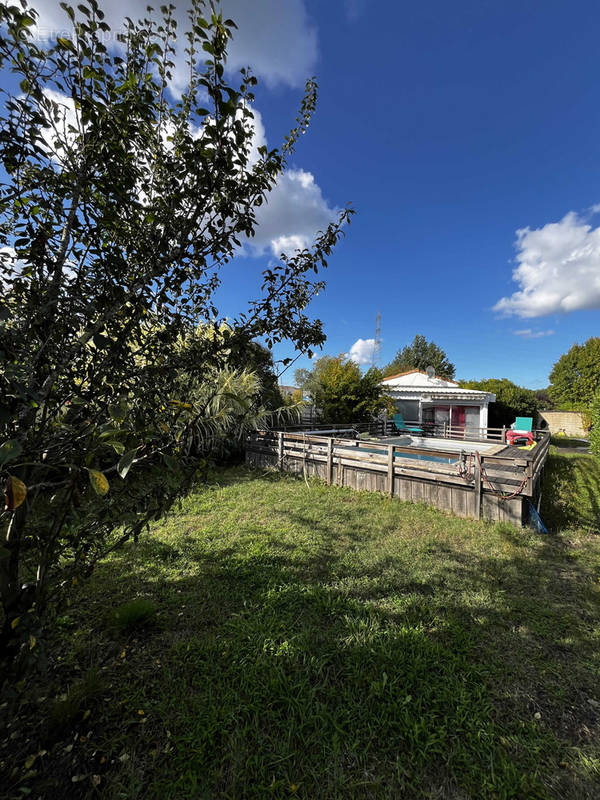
[(415, 456)]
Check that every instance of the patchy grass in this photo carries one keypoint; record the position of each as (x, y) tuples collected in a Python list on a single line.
[(571, 492), (314, 642), (134, 614)]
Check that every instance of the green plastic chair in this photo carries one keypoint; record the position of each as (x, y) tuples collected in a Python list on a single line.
[(402, 426), (523, 424)]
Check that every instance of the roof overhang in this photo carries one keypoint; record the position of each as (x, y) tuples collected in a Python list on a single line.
[(431, 395)]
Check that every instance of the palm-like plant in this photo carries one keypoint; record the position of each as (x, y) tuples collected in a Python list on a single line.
[(224, 407)]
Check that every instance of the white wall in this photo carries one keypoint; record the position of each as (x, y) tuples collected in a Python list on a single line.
[(483, 416)]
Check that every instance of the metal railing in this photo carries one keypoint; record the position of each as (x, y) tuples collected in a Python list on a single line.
[(387, 427)]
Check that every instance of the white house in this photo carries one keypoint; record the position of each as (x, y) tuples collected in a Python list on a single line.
[(423, 397)]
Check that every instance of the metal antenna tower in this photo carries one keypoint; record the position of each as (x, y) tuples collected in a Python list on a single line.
[(377, 346)]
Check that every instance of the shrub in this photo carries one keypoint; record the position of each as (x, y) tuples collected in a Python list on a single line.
[(123, 196)]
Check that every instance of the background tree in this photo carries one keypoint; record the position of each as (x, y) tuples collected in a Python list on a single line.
[(545, 401), (575, 378), (118, 208), (421, 354), (511, 400), (341, 393)]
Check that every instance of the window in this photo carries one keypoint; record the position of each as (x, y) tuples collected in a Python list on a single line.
[(409, 409)]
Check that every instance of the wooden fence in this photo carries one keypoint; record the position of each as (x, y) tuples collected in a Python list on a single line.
[(497, 487)]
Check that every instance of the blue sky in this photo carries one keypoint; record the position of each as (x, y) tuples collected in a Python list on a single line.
[(449, 127)]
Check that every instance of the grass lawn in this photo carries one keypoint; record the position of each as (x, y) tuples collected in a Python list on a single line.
[(304, 641)]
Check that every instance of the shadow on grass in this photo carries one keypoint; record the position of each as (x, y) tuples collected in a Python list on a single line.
[(284, 665), (280, 671)]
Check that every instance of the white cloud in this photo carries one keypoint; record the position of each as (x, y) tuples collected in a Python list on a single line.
[(362, 351), (558, 269), (63, 119), (295, 210), (9, 265), (275, 38), (528, 333), (292, 214)]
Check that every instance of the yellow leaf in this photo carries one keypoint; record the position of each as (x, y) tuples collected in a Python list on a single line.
[(15, 493), (15, 622), (87, 714), (140, 712), (99, 481), (31, 642), (29, 761)]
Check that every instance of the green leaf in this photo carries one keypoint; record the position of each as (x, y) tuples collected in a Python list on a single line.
[(118, 410), (9, 451), (108, 433), (126, 461), (66, 44), (170, 462), (99, 482)]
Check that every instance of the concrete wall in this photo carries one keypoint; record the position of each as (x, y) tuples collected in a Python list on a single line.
[(567, 422)]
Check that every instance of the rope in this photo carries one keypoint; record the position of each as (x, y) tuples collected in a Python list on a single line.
[(499, 495), (466, 473)]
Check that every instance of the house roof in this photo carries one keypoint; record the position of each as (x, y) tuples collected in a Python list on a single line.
[(417, 372), (416, 377), (415, 384), (431, 393)]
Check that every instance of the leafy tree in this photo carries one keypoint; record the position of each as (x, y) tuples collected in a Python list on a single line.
[(118, 210), (511, 400), (421, 354), (544, 399), (341, 393), (302, 378), (575, 378), (242, 353), (595, 429)]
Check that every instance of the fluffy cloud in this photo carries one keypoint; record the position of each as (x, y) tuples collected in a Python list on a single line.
[(275, 38), (8, 265), (558, 269), (362, 351), (528, 333), (294, 212), (280, 44)]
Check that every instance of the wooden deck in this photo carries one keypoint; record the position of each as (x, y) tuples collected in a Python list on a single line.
[(494, 484)]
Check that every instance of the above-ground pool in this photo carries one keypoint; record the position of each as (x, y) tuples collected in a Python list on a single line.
[(436, 446), (416, 456)]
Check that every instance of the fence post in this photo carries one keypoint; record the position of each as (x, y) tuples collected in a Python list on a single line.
[(390, 470), (504, 434), (329, 460), (477, 489), (280, 453), (530, 476)]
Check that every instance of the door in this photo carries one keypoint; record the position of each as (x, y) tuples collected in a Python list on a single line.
[(458, 417)]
